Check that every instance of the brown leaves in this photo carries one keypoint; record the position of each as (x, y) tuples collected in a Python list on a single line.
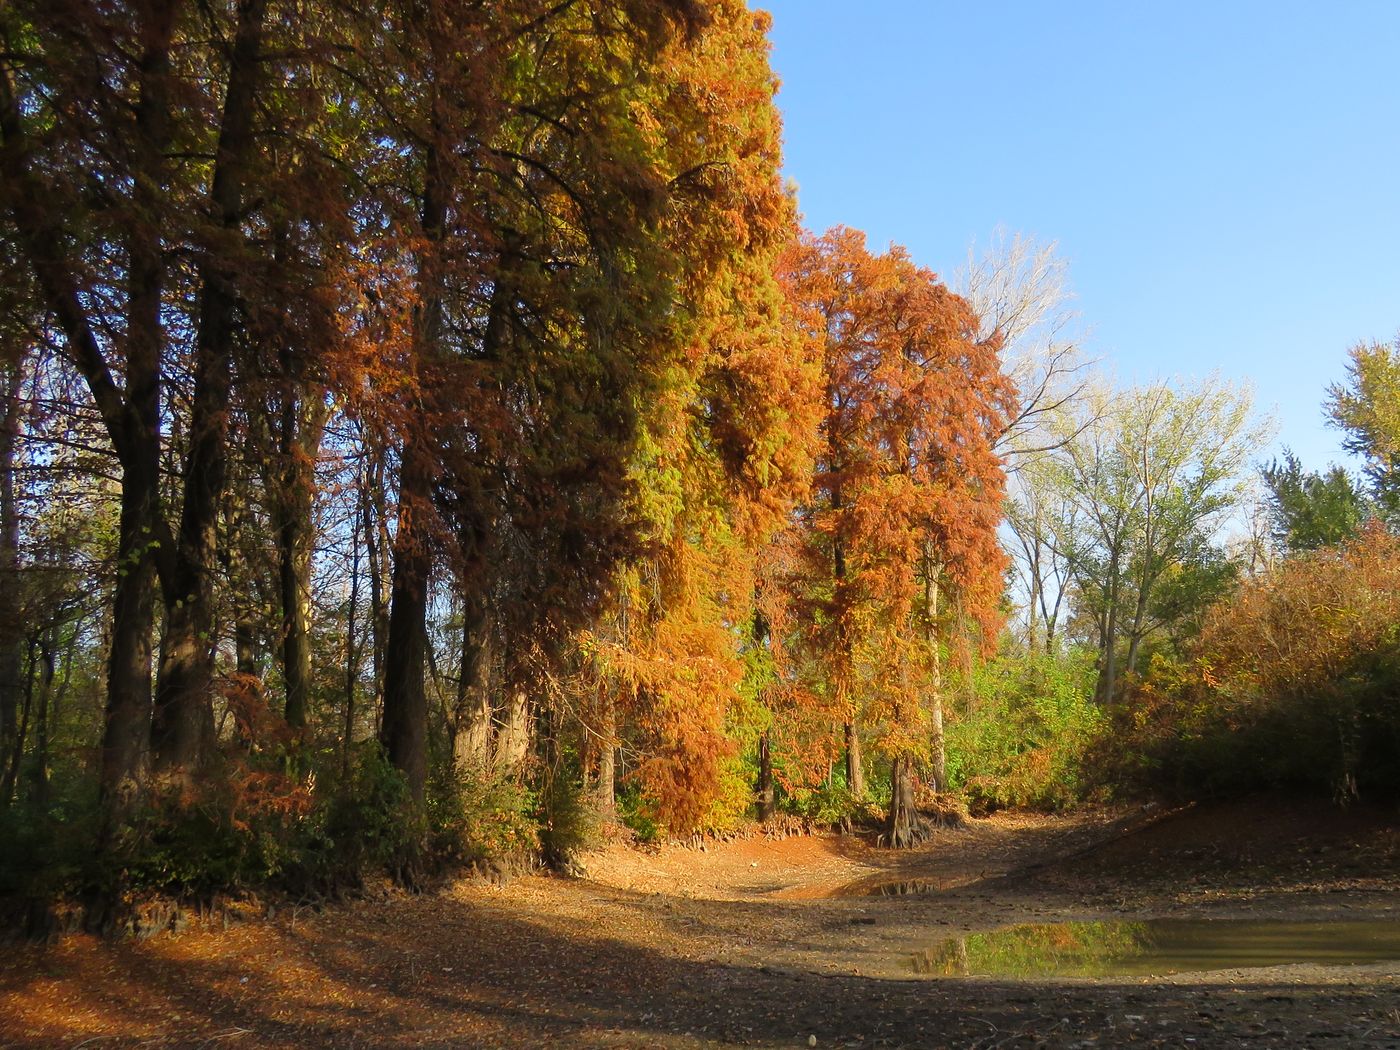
[(907, 492)]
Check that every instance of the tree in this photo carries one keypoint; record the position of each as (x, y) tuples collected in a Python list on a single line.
[(1299, 665), (1044, 522), (725, 448), (1154, 474), (906, 497), (1366, 408), (1020, 293), (1309, 510)]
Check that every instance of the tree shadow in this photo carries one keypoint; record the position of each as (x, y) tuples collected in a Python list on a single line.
[(447, 972)]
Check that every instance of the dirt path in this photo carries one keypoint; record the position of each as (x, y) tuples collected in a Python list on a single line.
[(761, 943)]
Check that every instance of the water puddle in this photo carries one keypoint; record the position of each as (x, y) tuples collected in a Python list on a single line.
[(873, 887), (1157, 947), (908, 887)]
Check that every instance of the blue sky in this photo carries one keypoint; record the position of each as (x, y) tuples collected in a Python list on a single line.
[(1223, 178)]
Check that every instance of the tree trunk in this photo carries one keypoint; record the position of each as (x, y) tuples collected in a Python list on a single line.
[(471, 717), (10, 760), (299, 444), (765, 793), (404, 733), (1135, 634), (40, 783), (903, 825), (376, 546), (11, 627), (352, 651), (405, 728), (126, 736), (938, 753), (513, 733), (184, 719), (1108, 668), (607, 757), (855, 774), (247, 659)]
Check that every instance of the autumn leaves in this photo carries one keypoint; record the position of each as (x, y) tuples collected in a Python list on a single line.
[(503, 306)]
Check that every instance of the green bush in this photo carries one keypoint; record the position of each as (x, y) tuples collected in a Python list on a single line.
[(481, 814), (1024, 736), (1292, 684), (635, 813), (568, 820), (47, 851), (833, 804)]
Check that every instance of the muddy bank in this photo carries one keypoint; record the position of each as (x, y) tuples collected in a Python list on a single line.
[(759, 943)]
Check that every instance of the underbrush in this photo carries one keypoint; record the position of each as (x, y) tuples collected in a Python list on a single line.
[(305, 826), (1025, 737), (1292, 685)]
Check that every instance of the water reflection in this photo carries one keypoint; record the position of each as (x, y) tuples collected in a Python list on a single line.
[(1157, 947), (901, 889)]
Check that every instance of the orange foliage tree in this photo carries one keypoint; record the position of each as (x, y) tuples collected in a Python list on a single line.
[(726, 444), (899, 534)]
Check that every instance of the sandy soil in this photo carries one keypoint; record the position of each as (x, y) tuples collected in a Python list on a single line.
[(763, 943)]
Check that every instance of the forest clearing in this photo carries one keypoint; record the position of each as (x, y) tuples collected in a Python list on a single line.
[(508, 538), (762, 942)]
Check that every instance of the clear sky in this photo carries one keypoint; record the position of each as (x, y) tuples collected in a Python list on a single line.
[(1223, 178)]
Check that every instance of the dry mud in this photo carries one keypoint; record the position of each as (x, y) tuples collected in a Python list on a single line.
[(764, 943)]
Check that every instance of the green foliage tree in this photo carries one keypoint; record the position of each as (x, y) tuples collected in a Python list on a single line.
[(1144, 481), (1308, 509), (1366, 408)]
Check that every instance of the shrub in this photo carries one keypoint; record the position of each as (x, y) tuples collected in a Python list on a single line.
[(482, 813), (1024, 735), (1293, 683)]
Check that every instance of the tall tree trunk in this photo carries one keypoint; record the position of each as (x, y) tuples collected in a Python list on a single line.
[(513, 733), (40, 777), (184, 720), (352, 649), (938, 757), (126, 736), (1108, 649), (765, 793), (938, 752), (606, 791), (405, 729), (404, 733), (302, 425), (855, 773), (1135, 634), (471, 716), (10, 760), (376, 548), (11, 627), (240, 578)]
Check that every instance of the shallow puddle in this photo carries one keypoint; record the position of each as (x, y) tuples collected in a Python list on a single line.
[(904, 888), (1157, 947)]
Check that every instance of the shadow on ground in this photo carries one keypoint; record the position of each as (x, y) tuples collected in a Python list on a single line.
[(444, 972)]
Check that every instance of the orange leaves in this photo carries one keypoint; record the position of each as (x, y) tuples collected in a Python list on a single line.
[(727, 433), (1304, 625), (907, 492)]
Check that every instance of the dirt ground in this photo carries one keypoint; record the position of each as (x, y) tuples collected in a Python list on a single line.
[(763, 943)]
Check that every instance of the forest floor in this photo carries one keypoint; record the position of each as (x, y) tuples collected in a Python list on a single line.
[(761, 942)]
